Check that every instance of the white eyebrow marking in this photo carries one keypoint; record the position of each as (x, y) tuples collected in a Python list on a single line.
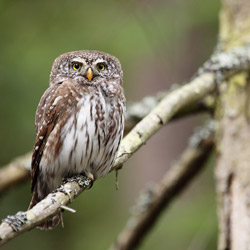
[(99, 60), (79, 59)]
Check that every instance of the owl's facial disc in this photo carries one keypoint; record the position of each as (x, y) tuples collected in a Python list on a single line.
[(85, 69)]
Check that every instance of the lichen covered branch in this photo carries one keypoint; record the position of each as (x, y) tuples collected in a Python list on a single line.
[(166, 109), (136, 111), (218, 67), (18, 170), (16, 224), (214, 71), (173, 103), (152, 202), (188, 94)]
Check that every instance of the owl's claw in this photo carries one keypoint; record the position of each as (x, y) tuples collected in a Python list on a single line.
[(83, 180), (91, 184), (90, 176), (91, 179)]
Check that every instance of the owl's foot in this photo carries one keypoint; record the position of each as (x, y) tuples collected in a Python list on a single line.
[(83, 180), (91, 179), (90, 176), (91, 184)]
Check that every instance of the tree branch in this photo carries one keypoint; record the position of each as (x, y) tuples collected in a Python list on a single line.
[(188, 94), (15, 172), (191, 93), (214, 71), (152, 202), (166, 109), (136, 111), (16, 224)]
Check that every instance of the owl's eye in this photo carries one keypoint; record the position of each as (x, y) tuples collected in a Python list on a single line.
[(101, 66), (76, 65)]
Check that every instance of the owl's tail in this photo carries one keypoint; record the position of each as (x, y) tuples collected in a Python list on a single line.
[(50, 223)]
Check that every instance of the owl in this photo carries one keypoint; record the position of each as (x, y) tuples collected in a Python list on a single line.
[(79, 122)]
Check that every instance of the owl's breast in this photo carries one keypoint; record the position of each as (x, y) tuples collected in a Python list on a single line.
[(91, 137)]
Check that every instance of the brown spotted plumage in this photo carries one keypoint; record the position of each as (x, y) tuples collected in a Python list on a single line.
[(79, 122)]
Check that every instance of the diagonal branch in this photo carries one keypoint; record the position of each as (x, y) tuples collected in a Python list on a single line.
[(214, 71), (152, 202), (191, 93), (17, 171), (21, 222), (188, 94), (136, 111), (169, 106)]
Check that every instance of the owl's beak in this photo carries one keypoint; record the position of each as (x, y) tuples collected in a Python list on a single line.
[(89, 74)]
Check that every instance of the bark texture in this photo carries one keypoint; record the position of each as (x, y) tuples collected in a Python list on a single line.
[(233, 137)]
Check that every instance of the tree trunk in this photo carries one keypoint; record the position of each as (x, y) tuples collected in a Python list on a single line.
[(233, 137)]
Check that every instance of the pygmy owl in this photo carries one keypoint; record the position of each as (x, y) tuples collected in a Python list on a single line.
[(79, 122)]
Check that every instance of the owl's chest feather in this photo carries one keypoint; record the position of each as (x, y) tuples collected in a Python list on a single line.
[(89, 140)]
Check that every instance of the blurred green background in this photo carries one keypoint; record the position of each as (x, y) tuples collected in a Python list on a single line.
[(158, 43)]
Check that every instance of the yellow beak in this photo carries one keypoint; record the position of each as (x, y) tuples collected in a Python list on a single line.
[(89, 74)]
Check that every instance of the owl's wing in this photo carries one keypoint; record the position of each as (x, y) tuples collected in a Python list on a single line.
[(45, 122), (55, 106)]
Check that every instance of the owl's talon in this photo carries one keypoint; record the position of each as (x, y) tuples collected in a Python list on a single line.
[(90, 176), (91, 179), (91, 184)]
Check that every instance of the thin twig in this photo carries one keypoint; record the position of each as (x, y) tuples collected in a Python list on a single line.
[(152, 202)]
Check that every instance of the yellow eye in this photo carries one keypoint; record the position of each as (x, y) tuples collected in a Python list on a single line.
[(76, 65), (101, 66)]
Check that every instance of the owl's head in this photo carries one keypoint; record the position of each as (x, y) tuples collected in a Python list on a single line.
[(85, 66)]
